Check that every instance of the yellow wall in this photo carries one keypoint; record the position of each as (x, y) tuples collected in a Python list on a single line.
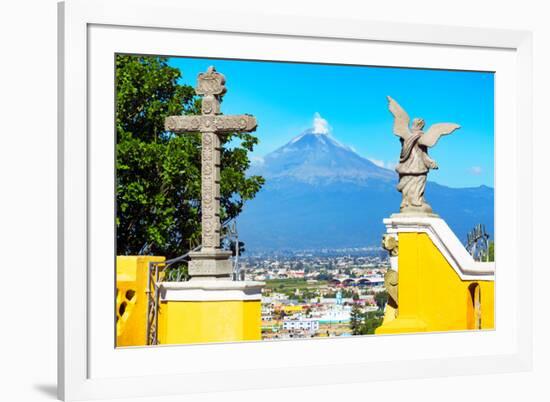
[(183, 322), (291, 309), (431, 295), (131, 299)]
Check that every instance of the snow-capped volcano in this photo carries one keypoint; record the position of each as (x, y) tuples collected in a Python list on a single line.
[(314, 156)]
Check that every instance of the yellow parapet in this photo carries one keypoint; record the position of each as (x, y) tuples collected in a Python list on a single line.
[(131, 299), (439, 288), (209, 311)]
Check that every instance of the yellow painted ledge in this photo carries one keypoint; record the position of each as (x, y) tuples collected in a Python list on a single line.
[(182, 322), (204, 311), (402, 325)]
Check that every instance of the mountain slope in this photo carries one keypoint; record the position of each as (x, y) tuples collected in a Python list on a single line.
[(313, 157)]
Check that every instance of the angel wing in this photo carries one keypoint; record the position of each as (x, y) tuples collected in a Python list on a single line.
[(433, 134), (400, 119)]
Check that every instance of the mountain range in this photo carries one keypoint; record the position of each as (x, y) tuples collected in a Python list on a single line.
[(319, 193)]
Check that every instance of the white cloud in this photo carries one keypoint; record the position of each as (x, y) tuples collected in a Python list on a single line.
[(475, 170), (320, 125), (380, 163), (377, 162), (257, 160)]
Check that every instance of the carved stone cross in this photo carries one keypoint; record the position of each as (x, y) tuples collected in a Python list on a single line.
[(211, 261)]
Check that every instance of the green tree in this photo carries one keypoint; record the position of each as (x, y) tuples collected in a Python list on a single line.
[(347, 293), (324, 276), (372, 320), (381, 298), (356, 319), (491, 251), (158, 172)]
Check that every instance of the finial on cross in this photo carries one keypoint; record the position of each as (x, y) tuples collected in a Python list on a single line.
[(211, 86), (211, 261), (211, 83)]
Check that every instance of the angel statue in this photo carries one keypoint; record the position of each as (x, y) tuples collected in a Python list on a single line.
[(414, 162)]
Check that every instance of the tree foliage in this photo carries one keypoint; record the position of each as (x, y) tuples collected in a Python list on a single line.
[(373, 320), (158, 172), (364, 323), (381, 298), (491, 251), (356, 319)]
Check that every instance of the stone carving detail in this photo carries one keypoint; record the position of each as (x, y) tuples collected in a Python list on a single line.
[(414, 162), (390, 244), (207, 139), (211, 86), (209, 227), (211, 83), (218, 124), (391, 280)]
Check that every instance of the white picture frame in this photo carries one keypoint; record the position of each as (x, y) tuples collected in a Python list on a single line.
[(83, 24)]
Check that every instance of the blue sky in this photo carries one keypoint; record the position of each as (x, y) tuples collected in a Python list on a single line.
[(351, 100)]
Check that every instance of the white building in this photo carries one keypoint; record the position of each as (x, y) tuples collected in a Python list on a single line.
[(300, 324), (267, 312)]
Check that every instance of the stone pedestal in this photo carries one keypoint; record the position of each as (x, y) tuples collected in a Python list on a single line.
[(411, 212), (204, 311), (210, 264)]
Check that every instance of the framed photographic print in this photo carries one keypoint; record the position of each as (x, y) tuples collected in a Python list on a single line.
[(252, 200)]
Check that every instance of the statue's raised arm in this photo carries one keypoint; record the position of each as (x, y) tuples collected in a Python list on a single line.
[(414, 162)]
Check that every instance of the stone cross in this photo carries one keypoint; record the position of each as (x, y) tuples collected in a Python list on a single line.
[(211, 261)]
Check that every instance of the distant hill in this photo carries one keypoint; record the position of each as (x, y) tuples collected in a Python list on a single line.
[(319, 193)]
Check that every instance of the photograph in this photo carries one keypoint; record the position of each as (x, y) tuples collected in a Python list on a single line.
[(272, 200), (288, 201)]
